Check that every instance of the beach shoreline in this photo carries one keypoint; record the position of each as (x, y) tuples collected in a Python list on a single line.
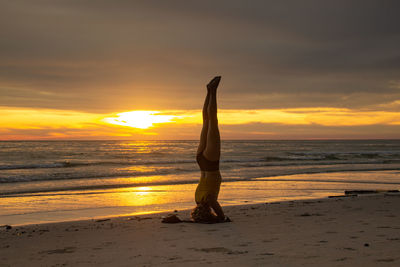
[(339, 231), (27, 209), (181, 213)]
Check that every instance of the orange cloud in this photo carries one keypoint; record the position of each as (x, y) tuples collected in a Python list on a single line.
[(20, 123)]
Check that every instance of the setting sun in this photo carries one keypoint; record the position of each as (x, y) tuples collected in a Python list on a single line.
[(139, 119)]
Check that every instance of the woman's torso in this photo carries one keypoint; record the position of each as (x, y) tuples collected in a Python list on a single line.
[(208, 186)]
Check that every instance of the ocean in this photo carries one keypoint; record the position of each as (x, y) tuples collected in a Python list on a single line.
[(48, 181)]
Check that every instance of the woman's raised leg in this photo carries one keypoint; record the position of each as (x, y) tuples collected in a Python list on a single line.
[(204, 130), (212, 150)]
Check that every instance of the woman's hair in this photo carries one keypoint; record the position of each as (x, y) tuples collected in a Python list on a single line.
[(202, 214)]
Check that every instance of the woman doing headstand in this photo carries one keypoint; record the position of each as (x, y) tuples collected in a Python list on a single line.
[(208, 154)]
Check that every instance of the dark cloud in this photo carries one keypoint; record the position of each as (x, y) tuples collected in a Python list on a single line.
[(282, 131), (116, 55)]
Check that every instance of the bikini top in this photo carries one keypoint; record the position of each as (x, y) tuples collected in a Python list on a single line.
[(205, 164)]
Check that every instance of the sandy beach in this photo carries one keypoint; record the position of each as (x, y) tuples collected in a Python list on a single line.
[(341, 231), (118, 115)]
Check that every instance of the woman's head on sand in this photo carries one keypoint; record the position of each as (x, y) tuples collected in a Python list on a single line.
[(202, 213)]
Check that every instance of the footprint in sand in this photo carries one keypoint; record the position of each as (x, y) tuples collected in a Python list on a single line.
[(107, 243), (219, 250), (385, 260), (341, 259), (390, 215), (174, 258), (245, 244), (266, 254), (270, 240), (59, 251), (351, 249)]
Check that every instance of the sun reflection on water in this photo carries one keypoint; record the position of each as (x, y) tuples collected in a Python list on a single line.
[(143, 190), (152, 195)]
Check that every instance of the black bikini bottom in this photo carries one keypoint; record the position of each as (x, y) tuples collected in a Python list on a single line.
[(205, 164)]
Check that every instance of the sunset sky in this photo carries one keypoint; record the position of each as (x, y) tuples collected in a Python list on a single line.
[(99, 69)]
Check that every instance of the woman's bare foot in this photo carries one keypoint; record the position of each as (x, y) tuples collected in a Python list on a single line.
[(213, 84)]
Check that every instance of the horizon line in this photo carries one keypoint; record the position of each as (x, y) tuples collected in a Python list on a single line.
[(294, 139)]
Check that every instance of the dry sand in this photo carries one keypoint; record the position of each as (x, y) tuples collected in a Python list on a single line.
[(348, 231)]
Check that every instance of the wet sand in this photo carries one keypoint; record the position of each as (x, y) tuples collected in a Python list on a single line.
[(342, 231)]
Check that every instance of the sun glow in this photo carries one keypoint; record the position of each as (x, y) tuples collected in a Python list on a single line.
[(139, 119)]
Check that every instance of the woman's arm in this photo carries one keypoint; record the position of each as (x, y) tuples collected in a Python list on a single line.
[(217, 209)]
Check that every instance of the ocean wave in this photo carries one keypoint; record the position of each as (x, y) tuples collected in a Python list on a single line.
[(313, 162), (340, 155), (282, 177), (31, 166), (85, 175), (68, 164), (289, 158), (94, 187), (327, 181), (137, 170)]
